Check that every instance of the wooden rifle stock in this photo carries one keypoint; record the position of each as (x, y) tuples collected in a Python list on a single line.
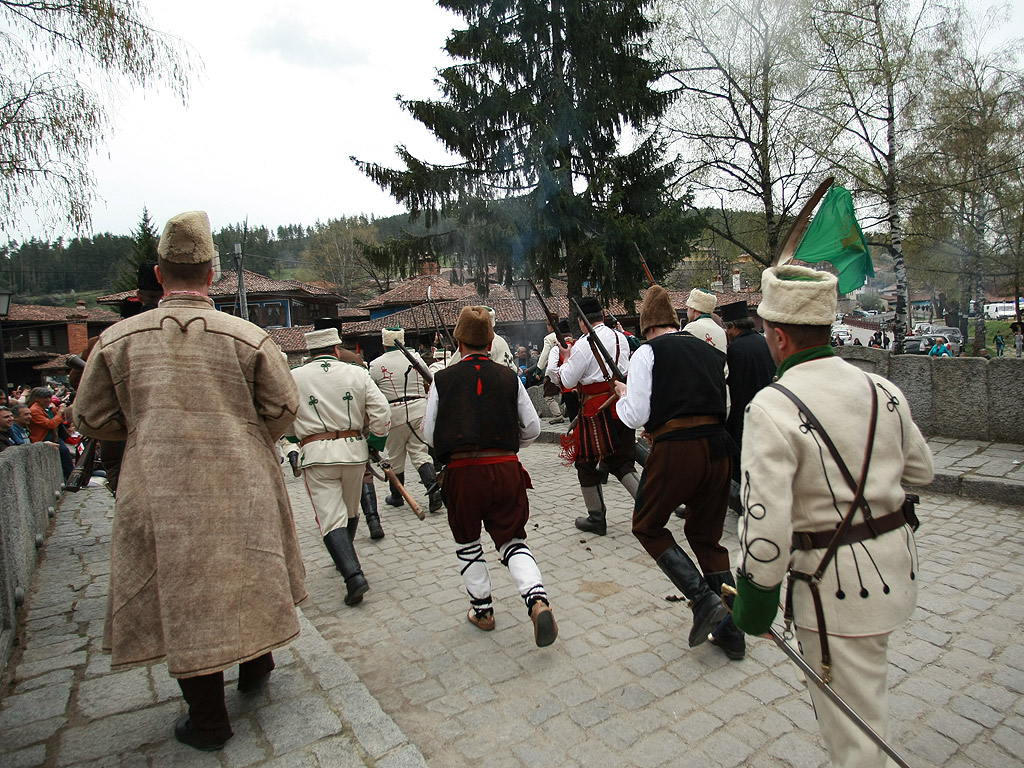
[(389, 473)]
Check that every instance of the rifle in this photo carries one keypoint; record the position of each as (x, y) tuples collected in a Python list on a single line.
[(846, 709), (389, 473), (643, 263), (421, 369), (597, 346), (551, 316), (435, 313)]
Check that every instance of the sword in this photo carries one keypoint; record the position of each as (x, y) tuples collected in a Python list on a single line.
[(825, 688), (596, 344), (385, 467)]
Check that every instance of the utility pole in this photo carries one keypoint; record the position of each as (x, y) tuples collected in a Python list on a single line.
[(243, 307)]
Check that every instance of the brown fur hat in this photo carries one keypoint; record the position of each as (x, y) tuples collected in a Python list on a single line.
[(657, 310), (474, 328), (187, 239)]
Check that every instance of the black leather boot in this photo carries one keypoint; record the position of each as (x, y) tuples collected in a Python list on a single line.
[(708, 610), (429, 479), (594, 522), (368, 501), (344, 555), (351, 526), (394, 498), (726, 635), (293, 461)]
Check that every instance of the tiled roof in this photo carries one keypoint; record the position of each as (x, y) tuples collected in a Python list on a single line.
[(27, 313), (255, 283), (58, 363), (508, 311), (414, 291), (291, 339)]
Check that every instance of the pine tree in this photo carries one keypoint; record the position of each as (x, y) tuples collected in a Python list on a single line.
[(144, 242), (536, 107)]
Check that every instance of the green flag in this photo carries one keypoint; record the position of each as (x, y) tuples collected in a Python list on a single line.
[(835, 236)]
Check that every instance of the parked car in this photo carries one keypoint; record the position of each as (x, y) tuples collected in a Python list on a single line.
[(922, 345), (922, 328), (842, 332)]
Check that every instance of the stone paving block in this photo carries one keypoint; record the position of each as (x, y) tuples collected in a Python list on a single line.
[(376, 733), (114, 693), (34, 705), (297, 722), (26, 758), (976, 711), (991, 756), (117, 733), (23, 735), (660, 748), (76, 659), (57, 677), (404, 757)]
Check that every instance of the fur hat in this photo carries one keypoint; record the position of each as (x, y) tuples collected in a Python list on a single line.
[(798, 296), (474, 328), (187, 239), (702, 301), (590, 306), (390, 335), (326, 337), (657, 310), (491, 316), (732, 312)]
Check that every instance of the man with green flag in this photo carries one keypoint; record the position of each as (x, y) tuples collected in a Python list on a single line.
[(835, 236)]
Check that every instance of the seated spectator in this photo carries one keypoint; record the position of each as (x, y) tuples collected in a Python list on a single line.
[(6, 422), (940, 349), (47, 418), (22, 419)]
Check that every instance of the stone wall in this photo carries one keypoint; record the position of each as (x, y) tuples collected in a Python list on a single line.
[(30, 483), (961, 397)]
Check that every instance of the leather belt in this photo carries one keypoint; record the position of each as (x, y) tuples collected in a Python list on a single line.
[(685, 422), (487, 453), (404, 400), (330, 436), (805, 540)]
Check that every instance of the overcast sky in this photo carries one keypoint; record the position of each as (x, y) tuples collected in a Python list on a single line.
[(288, 91)]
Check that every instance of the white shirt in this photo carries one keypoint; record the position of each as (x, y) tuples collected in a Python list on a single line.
[(529, 422), (634, 410), (582, 366)]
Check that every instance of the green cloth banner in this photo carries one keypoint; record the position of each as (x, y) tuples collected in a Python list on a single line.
[(835, 236)]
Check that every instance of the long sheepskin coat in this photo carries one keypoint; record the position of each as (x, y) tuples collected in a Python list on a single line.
[(205, 563)]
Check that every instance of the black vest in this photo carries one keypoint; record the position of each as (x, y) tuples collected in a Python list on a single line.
[(477, 407), (688, 379)]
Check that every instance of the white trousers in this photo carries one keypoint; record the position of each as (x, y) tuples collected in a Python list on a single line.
[(859, 667), (403, 440), (334, 490)]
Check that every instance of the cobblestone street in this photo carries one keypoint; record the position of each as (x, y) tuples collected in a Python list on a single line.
[(405, 678)]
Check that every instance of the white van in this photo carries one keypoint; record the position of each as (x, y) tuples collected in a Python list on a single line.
[(1002, 310)]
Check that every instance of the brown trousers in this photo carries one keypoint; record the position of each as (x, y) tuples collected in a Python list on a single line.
[(684, 472)]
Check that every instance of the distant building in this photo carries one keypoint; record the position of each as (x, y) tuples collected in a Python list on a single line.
[(38, 339)]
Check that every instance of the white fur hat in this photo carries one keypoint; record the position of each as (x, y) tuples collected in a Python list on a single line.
[(390, 335), (187, 239), (325, 337), (702, 301), (490, 314), (798, 296)]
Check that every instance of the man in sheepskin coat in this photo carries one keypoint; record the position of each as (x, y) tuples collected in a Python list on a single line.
[(205, 566)]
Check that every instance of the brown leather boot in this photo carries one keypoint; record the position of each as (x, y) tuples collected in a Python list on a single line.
[(545, 628)]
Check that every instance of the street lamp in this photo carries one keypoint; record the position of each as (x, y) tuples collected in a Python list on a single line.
[(5, 307), (523, 292)]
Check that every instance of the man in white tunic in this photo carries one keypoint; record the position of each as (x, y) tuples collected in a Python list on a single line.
[(406, 392), (336, 400), (795, 496)]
